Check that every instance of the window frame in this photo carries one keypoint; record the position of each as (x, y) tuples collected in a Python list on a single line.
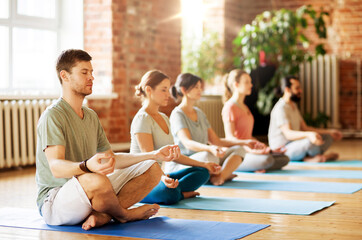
[(16, 20)]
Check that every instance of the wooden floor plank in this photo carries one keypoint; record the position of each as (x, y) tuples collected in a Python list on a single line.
[(343, 220)]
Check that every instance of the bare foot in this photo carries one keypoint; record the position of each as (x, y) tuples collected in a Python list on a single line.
[(260, 171), (332, 156), (216, 180), (231, 177), (140, 213), (316, 158), (96, 219), (191, 194)]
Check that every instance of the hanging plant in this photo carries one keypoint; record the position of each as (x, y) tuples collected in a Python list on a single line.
[(279, 34)]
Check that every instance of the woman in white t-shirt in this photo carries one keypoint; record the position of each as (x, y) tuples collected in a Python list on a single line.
[(150, 130), (193, 133)]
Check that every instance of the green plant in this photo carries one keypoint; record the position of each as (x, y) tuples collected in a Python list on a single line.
[(320, 120), (205, 58), (279, 34)]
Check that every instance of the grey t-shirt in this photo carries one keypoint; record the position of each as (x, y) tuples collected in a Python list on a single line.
[(82, 138), (144, 123), (282, 114), (198, 129)]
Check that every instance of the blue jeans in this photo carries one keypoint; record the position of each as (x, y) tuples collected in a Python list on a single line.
[(297, 150), (189, 179)]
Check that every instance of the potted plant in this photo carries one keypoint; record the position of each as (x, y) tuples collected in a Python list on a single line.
[(204, 58), (279, 34)]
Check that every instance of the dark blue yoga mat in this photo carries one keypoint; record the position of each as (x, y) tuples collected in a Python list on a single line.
[(350, 174), (296, 207), (319, 187), (346, 163), (154, 228)]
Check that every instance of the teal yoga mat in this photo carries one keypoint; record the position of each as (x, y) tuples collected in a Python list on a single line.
[(350, 174), (154, 228), (347, 163), (296, 207), (319, 187)]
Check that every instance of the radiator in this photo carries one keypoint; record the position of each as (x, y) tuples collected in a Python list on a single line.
[(320, 83), (212, 105), (18, 122)]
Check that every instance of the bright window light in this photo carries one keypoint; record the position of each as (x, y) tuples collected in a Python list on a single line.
[(33, 59), (192, 18), (4, 56), (4, 8), (37, 8)]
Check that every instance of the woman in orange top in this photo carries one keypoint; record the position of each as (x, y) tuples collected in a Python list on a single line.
[(239, 123)]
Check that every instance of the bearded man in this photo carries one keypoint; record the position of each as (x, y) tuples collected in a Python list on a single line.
[(288, 129)]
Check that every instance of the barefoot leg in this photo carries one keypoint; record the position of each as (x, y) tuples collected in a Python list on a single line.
[(142, 212), (191, 194), (316, 158), (138, 188), (228, 167), (216, 179), (332, 156), (231, 177), (95, 219)]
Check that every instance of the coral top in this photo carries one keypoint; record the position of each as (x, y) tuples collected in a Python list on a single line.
[(243, 120)]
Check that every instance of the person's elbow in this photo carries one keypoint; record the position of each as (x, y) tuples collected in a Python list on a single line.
[(54, 168), (287, 134), (188, 144)]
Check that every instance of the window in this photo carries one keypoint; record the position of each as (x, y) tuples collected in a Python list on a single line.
[(32, 34)]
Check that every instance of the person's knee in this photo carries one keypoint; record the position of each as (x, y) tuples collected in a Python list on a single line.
[(239, 150), (236, 159), (298, 150), (207, 156), (163, 195), (171, 196), (328, 139), (284, 160), (202, 173), (268, 162), (94, 184)]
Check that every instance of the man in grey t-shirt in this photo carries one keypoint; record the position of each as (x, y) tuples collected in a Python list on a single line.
[(288, 129), (79, 177)]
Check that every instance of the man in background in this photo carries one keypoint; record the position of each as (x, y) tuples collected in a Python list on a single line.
[(287, 128)]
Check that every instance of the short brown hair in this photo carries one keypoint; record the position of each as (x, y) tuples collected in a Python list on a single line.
[(68, 59)]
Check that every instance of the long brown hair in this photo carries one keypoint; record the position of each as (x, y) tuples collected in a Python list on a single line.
[(229, 79)]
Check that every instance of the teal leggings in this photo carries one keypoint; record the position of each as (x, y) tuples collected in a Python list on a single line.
[(189, 179)]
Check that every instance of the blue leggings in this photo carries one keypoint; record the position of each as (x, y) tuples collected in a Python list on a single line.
[(189, 179)]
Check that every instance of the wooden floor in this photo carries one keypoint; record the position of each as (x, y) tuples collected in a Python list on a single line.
[(343, 220)]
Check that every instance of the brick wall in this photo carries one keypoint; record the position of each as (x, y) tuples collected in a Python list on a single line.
[(344, 37), (348, 93), (128, 38)]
